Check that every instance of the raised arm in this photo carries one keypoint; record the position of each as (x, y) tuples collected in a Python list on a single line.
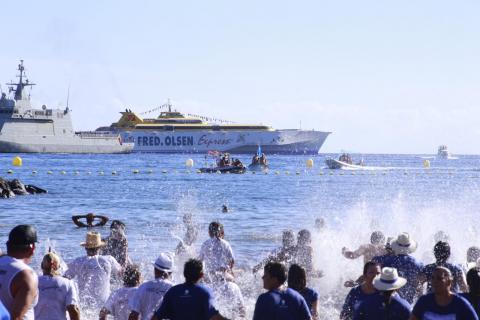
[(78, 223), (103, 221), (353, 254)]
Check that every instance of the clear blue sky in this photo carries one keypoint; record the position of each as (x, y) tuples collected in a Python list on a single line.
[(383, 76)]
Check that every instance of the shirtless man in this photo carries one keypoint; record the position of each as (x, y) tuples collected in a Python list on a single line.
[(90, 218), (376, 247), (18, 282)]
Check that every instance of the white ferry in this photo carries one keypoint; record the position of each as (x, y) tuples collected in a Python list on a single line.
[(174, 132)]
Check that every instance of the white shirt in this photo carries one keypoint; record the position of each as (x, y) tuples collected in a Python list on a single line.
[(92, 275), (119, 301), (229, 299), (9, 267), (55, 294), (217, 254), (149, 296)]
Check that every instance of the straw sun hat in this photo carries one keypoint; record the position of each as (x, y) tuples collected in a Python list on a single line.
[(93, 240), (388, 280), (404, 244)]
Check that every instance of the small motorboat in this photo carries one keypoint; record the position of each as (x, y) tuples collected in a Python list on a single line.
[(225, 169), (344, 161), (443, 152)]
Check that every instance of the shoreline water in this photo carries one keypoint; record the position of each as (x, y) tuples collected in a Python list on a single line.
[(407, 197)]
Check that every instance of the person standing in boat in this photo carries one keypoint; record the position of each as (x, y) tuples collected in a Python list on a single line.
[(263, 160)]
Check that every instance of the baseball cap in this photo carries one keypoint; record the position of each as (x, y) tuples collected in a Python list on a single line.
[(23, 234)]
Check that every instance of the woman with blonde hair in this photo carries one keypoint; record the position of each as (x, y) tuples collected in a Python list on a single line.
[(57, 295)]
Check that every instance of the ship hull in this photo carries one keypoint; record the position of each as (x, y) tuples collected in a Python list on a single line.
[(238, 141), (52, 144)]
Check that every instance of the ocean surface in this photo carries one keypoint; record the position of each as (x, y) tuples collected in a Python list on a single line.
[(394, 193)]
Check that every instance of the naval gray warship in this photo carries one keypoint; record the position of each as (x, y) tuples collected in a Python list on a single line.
[(24, 129)]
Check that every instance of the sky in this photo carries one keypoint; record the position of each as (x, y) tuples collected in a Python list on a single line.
[(382, 76)]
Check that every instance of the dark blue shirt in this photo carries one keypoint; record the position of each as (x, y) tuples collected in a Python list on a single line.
[(458, 308), (310, 296), (281, 305), (474, 301), (374, 308), (4, 314), (456, 271), (352, 301), (187, 302), (408, 267)]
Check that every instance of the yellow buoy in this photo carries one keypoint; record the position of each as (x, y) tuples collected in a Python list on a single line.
[(34, 172), (426, 163), (63, 172), (10, 171), (189, 163), (136, 171), (198, 171), (49, 172), (101, 173), (309, 163), (17, 161), (114, 173), (77, 173), (150, 171), (164, 171), (277, 172)]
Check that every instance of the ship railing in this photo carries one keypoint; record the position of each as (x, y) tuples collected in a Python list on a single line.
[(97, 134)]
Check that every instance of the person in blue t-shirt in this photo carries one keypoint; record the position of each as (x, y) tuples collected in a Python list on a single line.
[(473, 294), (189, 300), (441, 250), (297, 280), (4, 314), (358, 294), (387, 305), (279, 303), (442, 303), (407, 266)]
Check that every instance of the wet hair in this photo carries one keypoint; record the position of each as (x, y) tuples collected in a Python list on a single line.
[(276, 270), (297, 277), (288, 238), (215, 229), (304, 237), (131, 276), (51, 264), (92, 251), (116, 224), (192, 271), (368, 265), (441, 250), (473, 253), (377, 237), (446, 270), (473, 280)]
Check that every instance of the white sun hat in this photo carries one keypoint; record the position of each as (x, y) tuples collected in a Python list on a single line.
[(164, 262), (388, 280), (404, 244)]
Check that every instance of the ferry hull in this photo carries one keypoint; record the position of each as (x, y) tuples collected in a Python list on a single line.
[(247, 142)]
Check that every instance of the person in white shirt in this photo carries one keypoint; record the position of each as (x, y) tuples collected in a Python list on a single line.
[(92, 273), (150, 294), (228, 296), (216, 252), (118, 304), (57, 295), (18, 282)]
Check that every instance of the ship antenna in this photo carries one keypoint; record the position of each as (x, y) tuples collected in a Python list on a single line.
[(68, 95), (169, 105)]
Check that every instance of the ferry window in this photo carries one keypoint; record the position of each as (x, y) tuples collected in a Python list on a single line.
[(49, 112)]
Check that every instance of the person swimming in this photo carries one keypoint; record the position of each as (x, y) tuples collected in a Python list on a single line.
[(89, 219)]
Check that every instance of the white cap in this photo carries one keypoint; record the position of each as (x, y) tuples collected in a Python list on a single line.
[(164, 262)]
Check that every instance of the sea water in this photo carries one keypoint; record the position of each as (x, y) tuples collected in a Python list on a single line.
[(395, 193)]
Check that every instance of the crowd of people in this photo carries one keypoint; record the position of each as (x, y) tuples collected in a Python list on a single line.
[(393, 284)]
